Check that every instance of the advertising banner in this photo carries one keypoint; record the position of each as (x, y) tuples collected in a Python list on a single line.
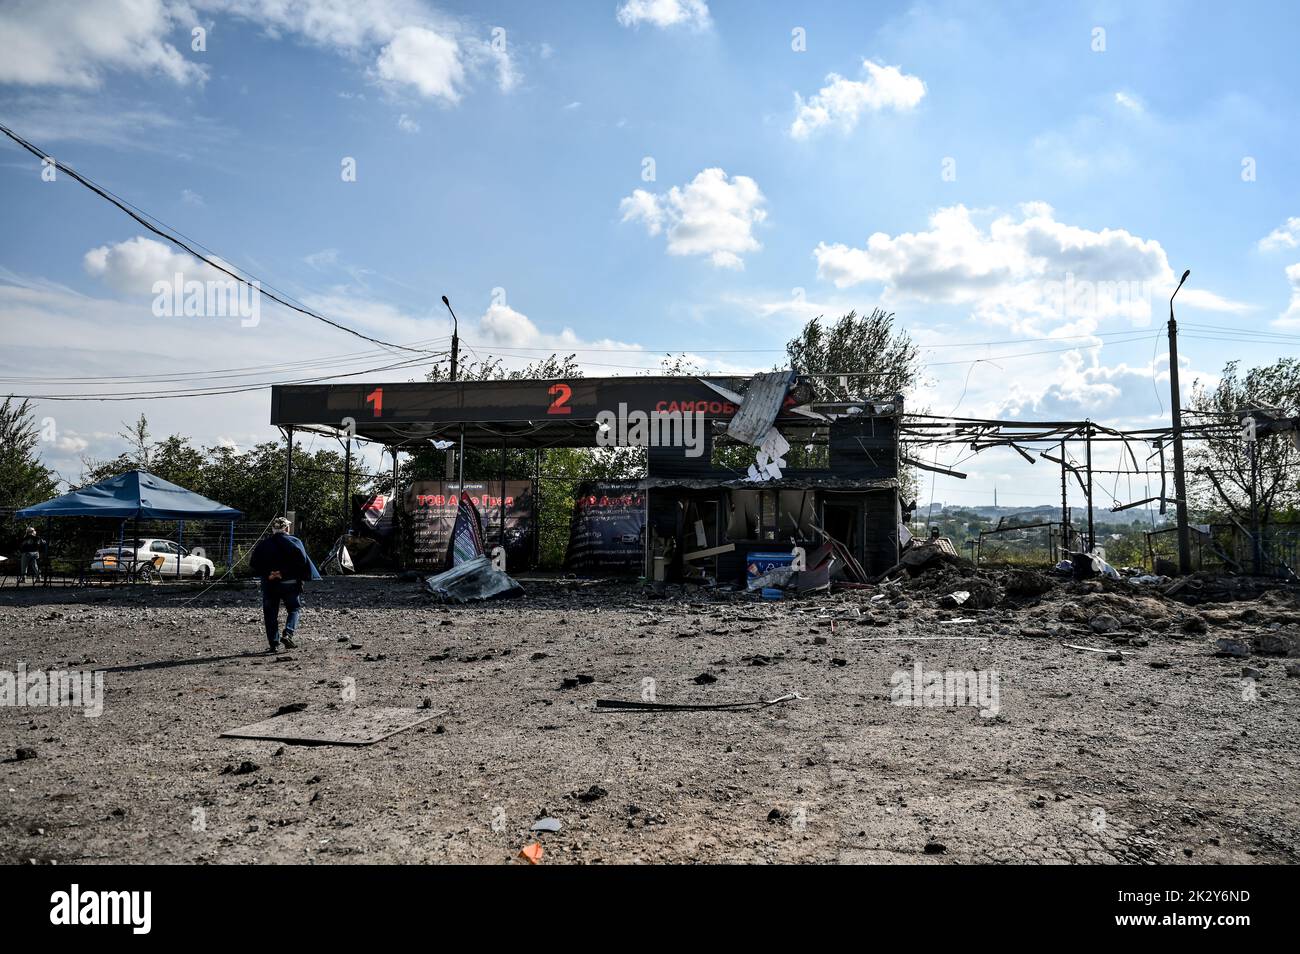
[(607, 532)]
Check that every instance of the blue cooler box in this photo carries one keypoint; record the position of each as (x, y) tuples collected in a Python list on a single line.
[(759, 563)]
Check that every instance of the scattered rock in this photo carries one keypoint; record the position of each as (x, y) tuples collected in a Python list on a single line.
[(23, 753), (291, 707), (1103, 623), (590, 795), (704, 679), (1275, 643), (935, 848), (1233, 648)]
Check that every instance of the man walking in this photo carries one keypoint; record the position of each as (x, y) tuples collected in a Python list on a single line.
[(30, 550), (281, 562)]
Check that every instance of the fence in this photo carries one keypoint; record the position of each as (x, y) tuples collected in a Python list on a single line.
[(71, 542), (1041, 543), (1229, 548)]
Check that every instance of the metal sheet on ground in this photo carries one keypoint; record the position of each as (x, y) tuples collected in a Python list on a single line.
[(352, 725)]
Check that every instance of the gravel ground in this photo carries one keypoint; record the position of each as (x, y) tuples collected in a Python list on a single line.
[(1167, 754)]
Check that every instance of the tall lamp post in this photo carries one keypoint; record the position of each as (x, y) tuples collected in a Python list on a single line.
[(455, 351), (1180, 478)]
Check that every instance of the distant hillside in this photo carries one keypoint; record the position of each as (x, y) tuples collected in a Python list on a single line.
[(1046, 512)]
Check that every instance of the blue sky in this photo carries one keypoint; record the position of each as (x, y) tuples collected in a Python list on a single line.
[(621, 179)]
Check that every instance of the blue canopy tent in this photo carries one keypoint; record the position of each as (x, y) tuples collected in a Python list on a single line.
[(135, 495)]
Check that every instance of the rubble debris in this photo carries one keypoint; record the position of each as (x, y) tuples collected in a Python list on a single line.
[(1276, 643), (920, 557), (695, 707), (470, 581), (532, 853), (1026, 583), (954, 600), (1233, 648), (1103, 623), (1094, 649), (348, 725)]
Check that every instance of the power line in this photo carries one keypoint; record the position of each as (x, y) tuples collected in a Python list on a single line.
[(214, 392), (183, 376), (162, 231)]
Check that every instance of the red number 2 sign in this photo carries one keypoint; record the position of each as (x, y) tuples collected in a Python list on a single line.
[(376, 397), (562, 393)]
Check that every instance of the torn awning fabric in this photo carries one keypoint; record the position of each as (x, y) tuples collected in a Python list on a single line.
[(467, 533), (763, 400), (471, 581)]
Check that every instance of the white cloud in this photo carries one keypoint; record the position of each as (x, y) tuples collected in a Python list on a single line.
[(1284, 236), (72, 43), (134, 265), (415, 46), (411, 45), (190, 197), (325, 258), (426, 60), (1290, 319), (712, 215), (1025, 271), (841, 101), (1130, 102), (407, 125), (665, 13)]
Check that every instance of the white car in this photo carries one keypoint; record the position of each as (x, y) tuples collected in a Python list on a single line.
[(142, 557)]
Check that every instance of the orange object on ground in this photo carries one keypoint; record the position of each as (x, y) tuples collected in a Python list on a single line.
[(532, 853)]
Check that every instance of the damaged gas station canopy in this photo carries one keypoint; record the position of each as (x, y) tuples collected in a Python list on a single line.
[(695, 516)]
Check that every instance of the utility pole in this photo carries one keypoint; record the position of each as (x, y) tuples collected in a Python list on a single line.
[(1065, 507), (1256, 548), (455, 337), (288, 467), (1176, 405), (1092, 533), (347, 485), (455, 353)]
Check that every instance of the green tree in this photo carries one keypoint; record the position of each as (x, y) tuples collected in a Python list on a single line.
[(1219, 472), (24, 480), (876, 358)]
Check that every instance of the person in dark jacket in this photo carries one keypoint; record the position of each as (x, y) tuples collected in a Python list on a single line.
[(30, 553), (281, 562)]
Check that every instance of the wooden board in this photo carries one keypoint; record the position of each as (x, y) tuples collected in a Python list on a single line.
[(346, 725)]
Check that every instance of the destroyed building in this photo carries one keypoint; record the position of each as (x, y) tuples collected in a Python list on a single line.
[(718, 492)]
